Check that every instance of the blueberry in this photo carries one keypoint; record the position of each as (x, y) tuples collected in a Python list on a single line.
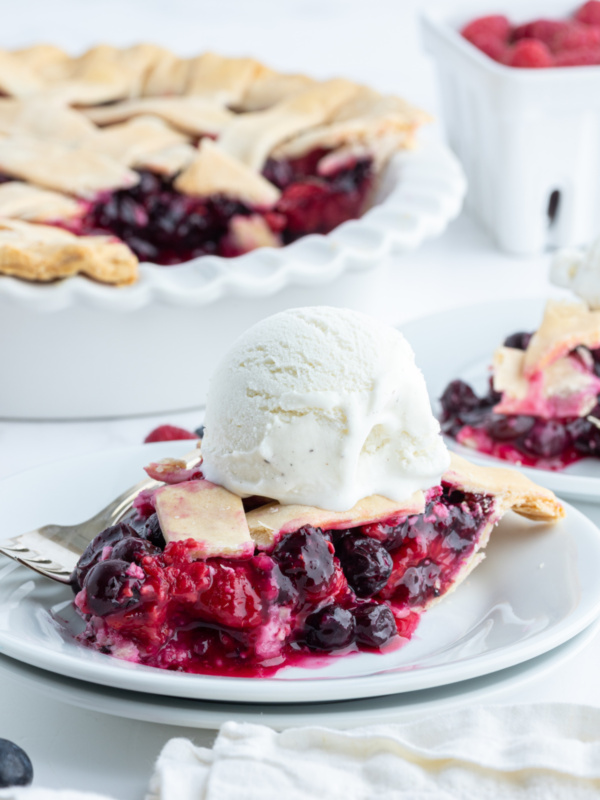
[(199, 431), (306, 558), (419, 583), (93, 552), (109, 588), (458, 398), (492, 397), (546, 438), (15, 767), (504, 427), (518, 341), (133, 549), (153, 533), (585, 436), (150, 183), (375, 624), (331, 628), (278, 172), (366, 563), (143, 249)]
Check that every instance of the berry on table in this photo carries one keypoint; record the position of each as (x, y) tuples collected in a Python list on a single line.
[(15, 767), (169, 433)]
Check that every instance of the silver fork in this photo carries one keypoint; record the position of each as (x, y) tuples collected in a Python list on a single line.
[(54, 550)]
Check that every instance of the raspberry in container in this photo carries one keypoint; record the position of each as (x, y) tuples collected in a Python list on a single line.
[(521, 105)]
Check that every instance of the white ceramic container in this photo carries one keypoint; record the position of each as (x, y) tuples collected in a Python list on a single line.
[(529, 139), (77, 349)]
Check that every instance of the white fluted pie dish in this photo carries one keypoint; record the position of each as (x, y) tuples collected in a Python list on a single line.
[(79, 349)]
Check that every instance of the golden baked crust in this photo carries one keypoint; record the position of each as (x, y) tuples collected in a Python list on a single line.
[(44, 253), (193, 115), (137, 139), (252, 137), (22, 201), (80, 126), (214, 171), (510, 489), (78, 171), (268, 522), (564, 326)]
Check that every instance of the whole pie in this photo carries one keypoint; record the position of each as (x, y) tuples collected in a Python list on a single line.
[(543, 405), (199, 580), (126, 154)]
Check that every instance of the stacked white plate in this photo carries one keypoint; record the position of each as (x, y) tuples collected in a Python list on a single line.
[(536, 592)]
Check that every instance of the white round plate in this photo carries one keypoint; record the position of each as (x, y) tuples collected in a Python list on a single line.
[(537, 589), (343, 714), (460, 343), (420, 191)]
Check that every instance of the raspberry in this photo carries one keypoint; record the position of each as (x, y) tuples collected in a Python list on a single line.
[(168, 433), (543, 29), (575, 36), (490, 45), (531, 54), (496, 26), (578, 58), (233, 598), (589, 13)]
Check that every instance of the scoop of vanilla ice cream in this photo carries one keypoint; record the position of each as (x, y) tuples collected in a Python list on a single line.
[(321, 406), (579, 270)]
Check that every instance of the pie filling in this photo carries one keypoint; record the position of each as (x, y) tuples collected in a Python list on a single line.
[(164, 226), (527, 439), (314, 592)]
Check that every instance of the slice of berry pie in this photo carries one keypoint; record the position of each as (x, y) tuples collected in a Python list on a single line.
[(543, 406), (199, 580), (179, 158)]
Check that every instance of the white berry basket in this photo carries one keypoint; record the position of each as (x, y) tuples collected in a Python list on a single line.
[(528, 139), (77, 349)]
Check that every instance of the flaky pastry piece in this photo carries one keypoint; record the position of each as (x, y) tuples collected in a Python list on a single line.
[(196, 116), (20, 200), (213, 171), (511, 489), (80, 171), (564, 327), (44, 253), (508, 489)]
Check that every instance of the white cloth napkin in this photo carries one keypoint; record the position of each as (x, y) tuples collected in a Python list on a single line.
[(538, 752), (529, 752)]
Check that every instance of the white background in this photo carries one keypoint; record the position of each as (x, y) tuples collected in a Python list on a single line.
[(373, 41)]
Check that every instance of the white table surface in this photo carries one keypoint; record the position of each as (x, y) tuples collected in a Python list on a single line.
[(375, 41)]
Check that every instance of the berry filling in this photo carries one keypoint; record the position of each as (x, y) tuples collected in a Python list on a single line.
[(315, 592), (541, 42), (166, 227), (524, 439)]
